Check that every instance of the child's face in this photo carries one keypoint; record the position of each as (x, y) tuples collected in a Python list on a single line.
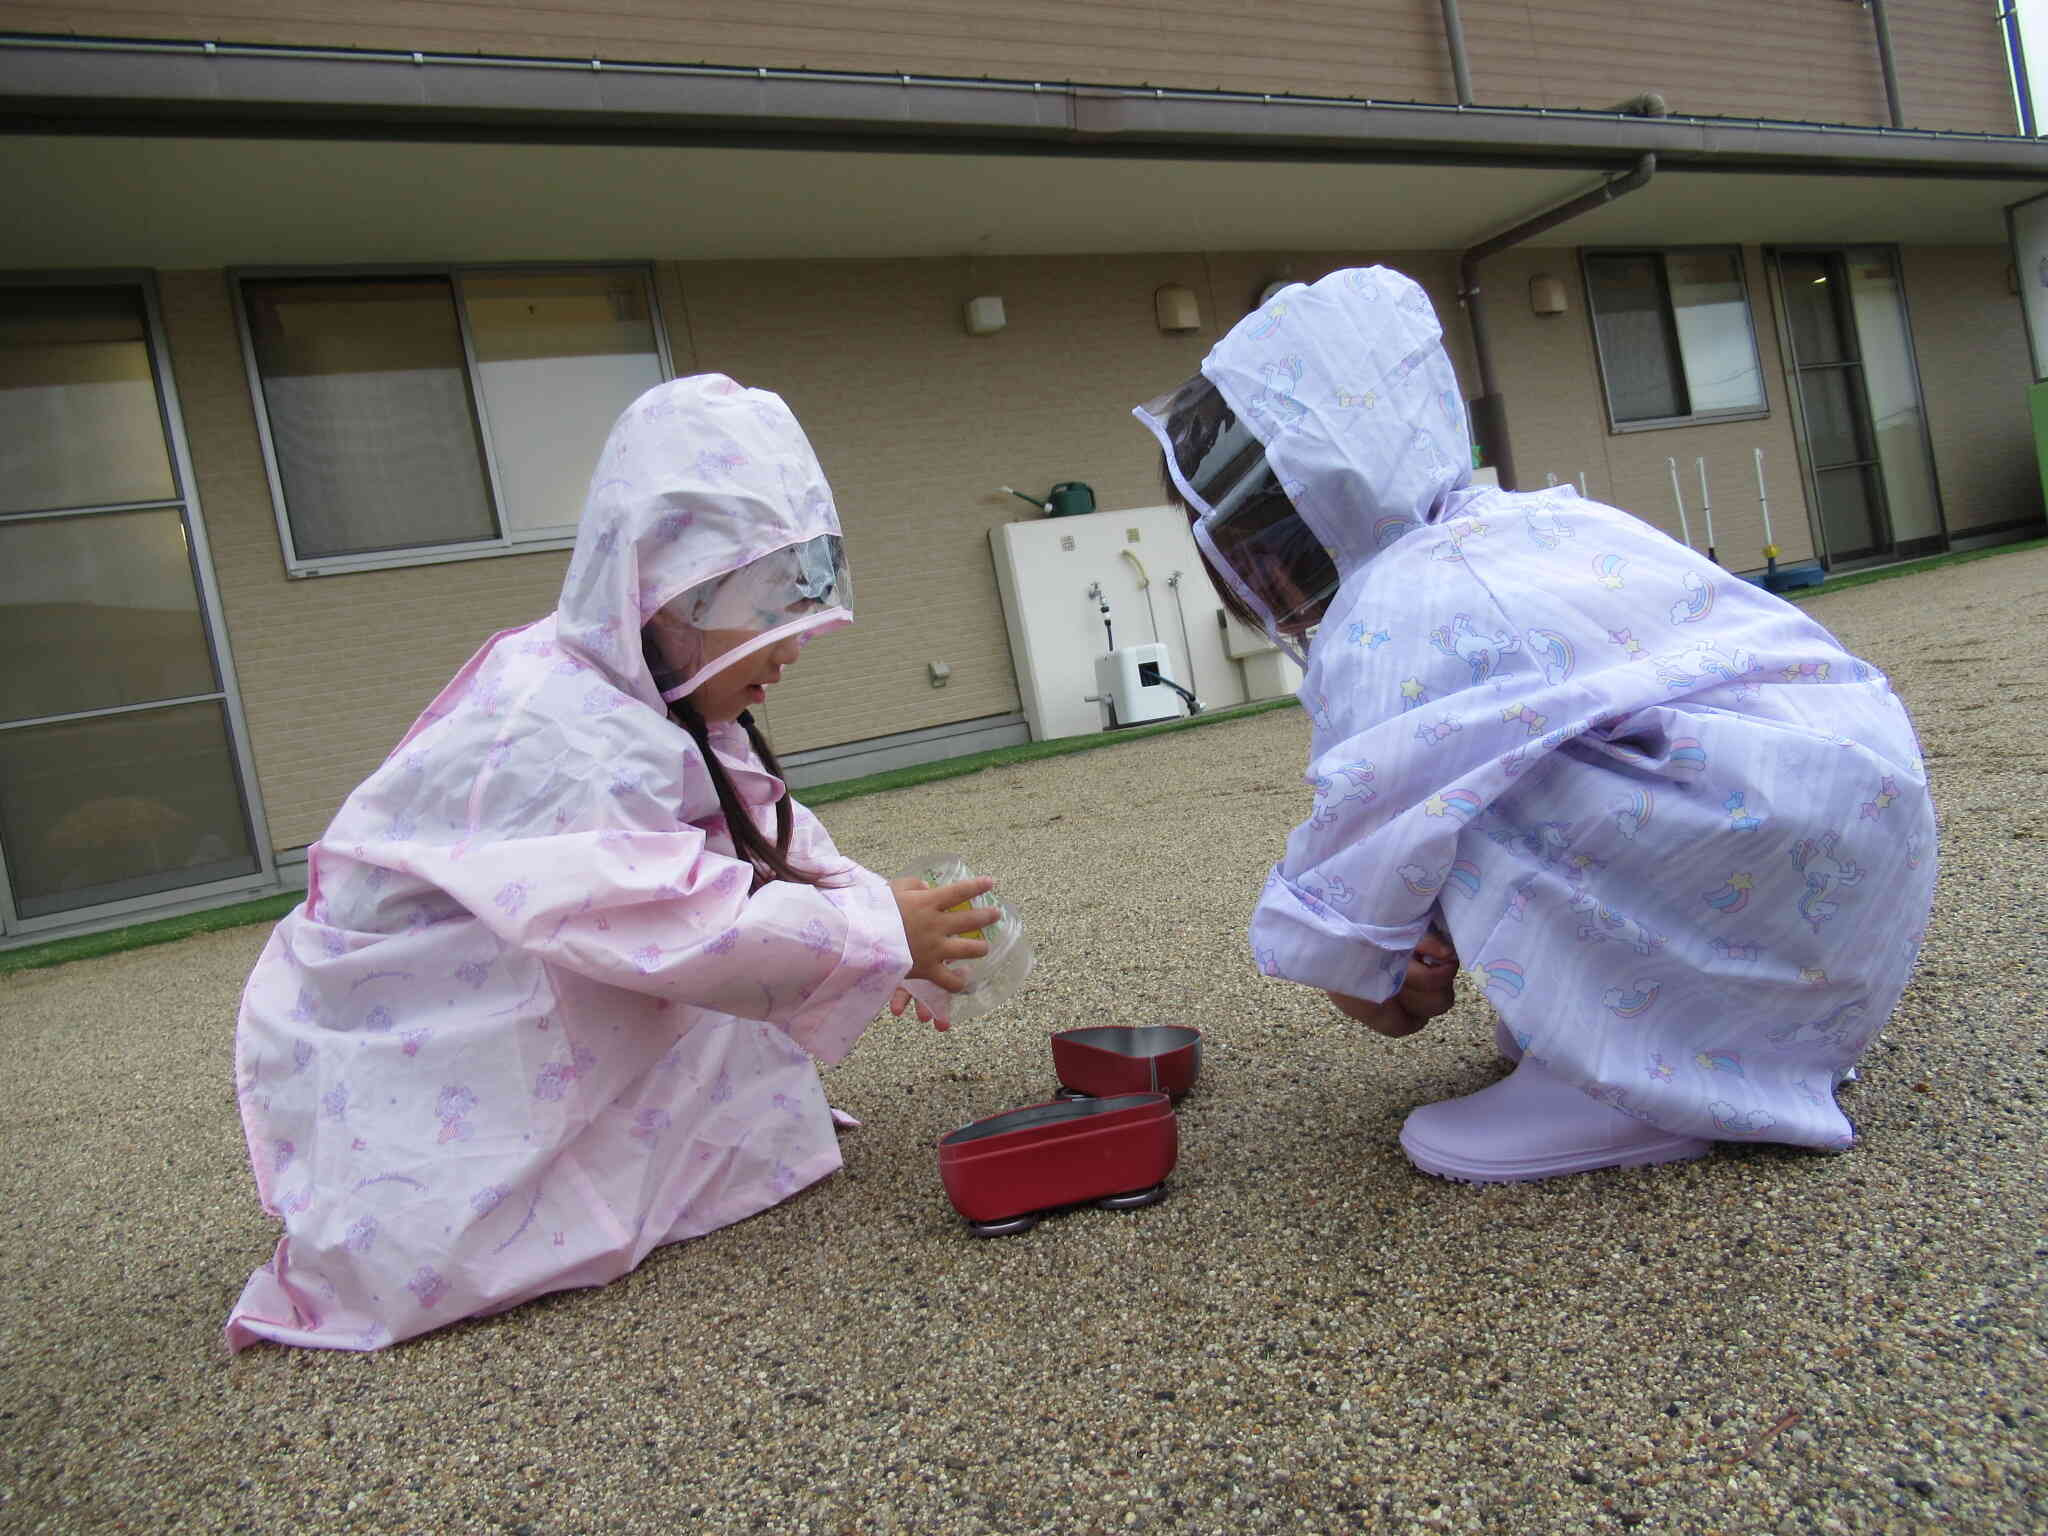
[(731, 690)]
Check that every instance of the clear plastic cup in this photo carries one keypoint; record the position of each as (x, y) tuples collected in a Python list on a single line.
[(996, 977)]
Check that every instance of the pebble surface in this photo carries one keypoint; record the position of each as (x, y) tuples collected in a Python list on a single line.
[(1307, 1335)]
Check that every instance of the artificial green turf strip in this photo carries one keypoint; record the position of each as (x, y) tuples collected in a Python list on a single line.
[(270, 908), (1910, 568), (1024, 752), (86, 946)]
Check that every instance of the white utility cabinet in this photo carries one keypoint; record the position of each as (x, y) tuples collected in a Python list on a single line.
[(1044, 569)]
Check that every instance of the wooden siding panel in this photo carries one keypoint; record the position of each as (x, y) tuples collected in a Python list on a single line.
[(1815, 60)]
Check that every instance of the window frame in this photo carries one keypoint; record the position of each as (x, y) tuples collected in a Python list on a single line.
[(299, 567), (16, 930), (1662, 254)]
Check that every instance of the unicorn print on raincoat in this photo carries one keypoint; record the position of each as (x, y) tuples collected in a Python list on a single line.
[(1691, 834), (533, 1018)]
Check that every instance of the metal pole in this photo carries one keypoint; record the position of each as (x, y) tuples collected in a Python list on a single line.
[(1763, 499), (1884, 57), (1684, 528), (1707, 504), (2016, 51), (1454, 34)]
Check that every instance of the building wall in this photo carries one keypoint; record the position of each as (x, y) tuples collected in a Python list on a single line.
[(1815, 61), (1557, 419), (332, 669), (1971, 345), (1812, 62), (918, 424)]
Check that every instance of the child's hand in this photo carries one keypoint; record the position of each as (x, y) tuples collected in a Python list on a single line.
[(902, 1000), (1430, 986), (932, 932), (1428, 990)]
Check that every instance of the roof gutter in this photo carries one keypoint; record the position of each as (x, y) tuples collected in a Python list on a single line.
[(1489, 411), (69, 85)]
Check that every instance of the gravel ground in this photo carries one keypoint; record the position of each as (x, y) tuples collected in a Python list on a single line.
[(1306, 1336)]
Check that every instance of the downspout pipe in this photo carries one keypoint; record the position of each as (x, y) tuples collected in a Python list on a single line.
[(2009, 18), (1461, 70), (1884, 58), (1489, 411)]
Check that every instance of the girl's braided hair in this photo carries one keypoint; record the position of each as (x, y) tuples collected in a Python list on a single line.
[(770, 860)]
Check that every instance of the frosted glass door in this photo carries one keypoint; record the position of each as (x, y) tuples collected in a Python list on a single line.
[(1892, 388), (121, 779), (1834, 410)]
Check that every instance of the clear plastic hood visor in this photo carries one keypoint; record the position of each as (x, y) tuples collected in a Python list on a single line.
[(802, 589), (1245, 521)]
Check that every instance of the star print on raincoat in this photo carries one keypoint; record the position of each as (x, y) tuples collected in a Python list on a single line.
[(533, 1018), (1581, 736)]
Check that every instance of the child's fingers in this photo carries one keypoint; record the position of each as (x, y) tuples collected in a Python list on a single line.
[(972, 920), (960, 892), (945, 978), (963, 949)]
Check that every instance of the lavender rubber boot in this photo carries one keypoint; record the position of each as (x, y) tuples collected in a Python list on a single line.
[(1532, 1125)]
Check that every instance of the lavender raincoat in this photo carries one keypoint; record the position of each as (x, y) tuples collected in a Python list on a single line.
[(1683, 839), (531, 1021)]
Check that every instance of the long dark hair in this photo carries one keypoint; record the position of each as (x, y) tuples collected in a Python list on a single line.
[(770, 860)]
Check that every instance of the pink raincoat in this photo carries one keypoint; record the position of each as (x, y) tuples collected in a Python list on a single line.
[(532, 1021)]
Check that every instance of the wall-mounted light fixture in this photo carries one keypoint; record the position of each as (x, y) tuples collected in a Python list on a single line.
[(984, 316), (1546, 295), (1177, 309)]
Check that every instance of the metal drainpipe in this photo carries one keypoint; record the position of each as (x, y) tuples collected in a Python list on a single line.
[(2009, 19), (1489, 411), (1454, 34), (1884, 57)]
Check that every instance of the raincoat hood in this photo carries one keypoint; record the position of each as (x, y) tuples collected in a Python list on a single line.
[(1347, 382), (699, 477)]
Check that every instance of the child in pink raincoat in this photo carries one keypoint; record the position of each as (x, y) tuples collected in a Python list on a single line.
[(564, 959)]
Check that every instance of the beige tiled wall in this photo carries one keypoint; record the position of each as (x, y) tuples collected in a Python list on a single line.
[(1810, 62), (1972, 348), (1814, 61), (918, 424)]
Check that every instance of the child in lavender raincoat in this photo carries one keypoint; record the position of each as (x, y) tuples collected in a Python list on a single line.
[(552, 997), (1683, 838)]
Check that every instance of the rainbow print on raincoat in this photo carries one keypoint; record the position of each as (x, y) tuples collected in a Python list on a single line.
[(1687, 828)]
